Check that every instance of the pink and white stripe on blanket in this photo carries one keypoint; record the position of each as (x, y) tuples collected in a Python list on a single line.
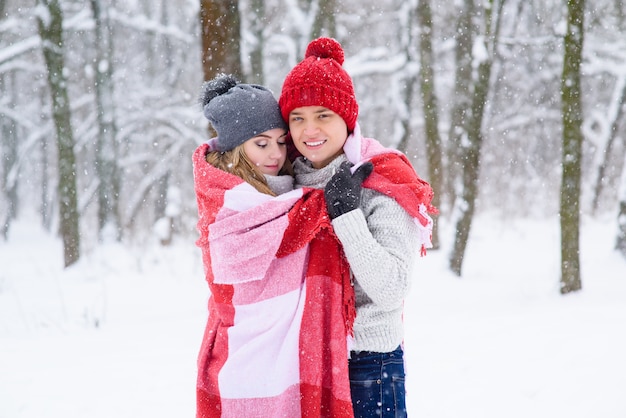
[(261, 372)]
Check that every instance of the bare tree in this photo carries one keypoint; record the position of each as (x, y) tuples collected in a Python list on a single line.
[(471, 146), (571, 108), (106, 143), (464, 37), (8, 152), (258, 22), (431, 113), (50, 24), (408, 77), (620, 242), (616, 115), (8, 165), (221, 38), (324, 23)]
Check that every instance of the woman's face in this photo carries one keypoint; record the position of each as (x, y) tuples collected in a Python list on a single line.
[(267, 151), (318, 133)]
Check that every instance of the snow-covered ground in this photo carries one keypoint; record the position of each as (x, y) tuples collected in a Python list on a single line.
[(117, 335)]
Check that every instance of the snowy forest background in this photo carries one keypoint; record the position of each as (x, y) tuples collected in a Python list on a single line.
[(98, 121), (102, 291)]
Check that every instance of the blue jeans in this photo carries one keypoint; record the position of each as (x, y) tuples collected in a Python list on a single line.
[(377, 384)]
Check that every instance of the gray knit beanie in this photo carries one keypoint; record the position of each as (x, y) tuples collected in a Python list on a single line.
[(239, 112)]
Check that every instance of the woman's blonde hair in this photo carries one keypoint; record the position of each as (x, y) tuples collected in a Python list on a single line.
[(236, 162)]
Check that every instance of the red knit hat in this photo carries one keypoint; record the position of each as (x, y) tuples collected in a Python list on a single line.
[(320, 80)]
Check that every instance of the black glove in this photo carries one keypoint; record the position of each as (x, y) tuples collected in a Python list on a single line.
[(343, 191)]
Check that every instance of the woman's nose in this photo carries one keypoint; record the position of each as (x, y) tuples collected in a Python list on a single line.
[(275, 151)]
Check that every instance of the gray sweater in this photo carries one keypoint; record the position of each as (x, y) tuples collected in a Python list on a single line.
[(381, 242)]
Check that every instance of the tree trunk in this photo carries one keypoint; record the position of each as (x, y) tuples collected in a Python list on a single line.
[(572, 148), (46, 209), (221, 37), (170, 54), (51, 32), (408, 77), (462, 100), (106, 144), (324, 20), (258, 22), (461, 167), (429, 100), (608, 152), (471, 147), (8, 151), (620, 243)]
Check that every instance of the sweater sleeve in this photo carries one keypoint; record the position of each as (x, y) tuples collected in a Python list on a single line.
[(380, 241)]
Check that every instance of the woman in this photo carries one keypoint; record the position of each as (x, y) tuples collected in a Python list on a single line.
[(276, 306), (381, 223), (238, 112)]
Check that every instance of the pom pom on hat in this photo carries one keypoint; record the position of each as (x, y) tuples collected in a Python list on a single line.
[(320, 80), (237, 111), (216, 87), (325, 48)]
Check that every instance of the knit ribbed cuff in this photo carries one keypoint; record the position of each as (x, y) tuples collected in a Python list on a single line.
[(351, 226)]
